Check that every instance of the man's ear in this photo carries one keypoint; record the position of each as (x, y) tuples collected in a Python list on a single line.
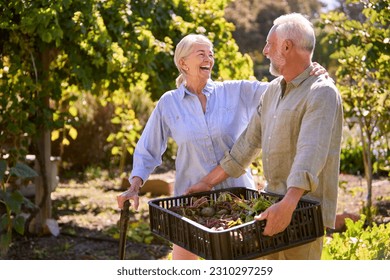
[(287, 45)]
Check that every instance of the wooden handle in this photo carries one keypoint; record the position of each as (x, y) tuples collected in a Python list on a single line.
[(123, 226)]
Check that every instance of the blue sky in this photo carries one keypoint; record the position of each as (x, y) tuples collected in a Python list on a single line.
[(331, 4)]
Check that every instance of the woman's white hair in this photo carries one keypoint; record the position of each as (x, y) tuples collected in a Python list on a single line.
[(296, 28), (184, 48)]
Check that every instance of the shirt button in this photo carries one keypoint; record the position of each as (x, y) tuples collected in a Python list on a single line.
[(274, 116)]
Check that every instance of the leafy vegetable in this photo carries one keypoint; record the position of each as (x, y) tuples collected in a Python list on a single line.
[(227, 211)]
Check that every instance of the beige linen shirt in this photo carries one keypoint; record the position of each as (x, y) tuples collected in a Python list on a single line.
[(299, 132)]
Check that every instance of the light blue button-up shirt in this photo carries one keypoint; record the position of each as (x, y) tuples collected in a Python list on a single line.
[(202, 138)]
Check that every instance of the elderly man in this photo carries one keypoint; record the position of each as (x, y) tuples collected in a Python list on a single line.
[(298, 127)]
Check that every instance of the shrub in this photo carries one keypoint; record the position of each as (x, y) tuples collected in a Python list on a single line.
[(12, 204), (351, 157), (359, 242)]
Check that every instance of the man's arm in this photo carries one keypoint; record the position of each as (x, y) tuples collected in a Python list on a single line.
[(216, 176), (242, 154)]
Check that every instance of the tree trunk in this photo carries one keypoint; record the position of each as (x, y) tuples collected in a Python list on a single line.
[(43, 184), (366, 141)]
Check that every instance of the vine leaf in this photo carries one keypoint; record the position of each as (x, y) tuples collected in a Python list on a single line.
[(23, 171)]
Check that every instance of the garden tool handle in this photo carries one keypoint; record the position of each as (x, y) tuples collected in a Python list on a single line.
[(123, 226)]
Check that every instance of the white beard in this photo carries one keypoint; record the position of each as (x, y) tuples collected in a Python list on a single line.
[(276, 63), (273, 70)]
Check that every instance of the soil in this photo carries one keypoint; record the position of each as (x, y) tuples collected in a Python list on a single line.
[(87, 218)]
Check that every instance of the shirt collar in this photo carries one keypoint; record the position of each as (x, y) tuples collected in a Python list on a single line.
[(207, 90), (298, 80), (209, 87), (301, 77)]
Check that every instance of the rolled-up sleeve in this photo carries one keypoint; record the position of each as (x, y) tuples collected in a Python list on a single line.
[(314, 146)]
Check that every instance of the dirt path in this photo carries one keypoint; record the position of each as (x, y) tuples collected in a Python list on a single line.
[(353, 193), (88, 217)]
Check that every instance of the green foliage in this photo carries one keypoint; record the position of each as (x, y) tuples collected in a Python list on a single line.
[(52, 51), (125, 138), (363, 52), (11, 203), (138, 231), (95, 172), (66, 117), (362, 49), (359, 242), (351, 157)]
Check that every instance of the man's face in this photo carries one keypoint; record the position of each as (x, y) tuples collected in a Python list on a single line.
[(273, 52)]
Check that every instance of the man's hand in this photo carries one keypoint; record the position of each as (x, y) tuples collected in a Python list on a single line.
[(199, 187), (278, 218), (131, 193), (279, 215), (213, 178)]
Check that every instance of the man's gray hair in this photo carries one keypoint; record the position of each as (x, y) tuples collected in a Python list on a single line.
[(296, 28)]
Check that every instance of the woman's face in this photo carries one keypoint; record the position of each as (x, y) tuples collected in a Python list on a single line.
[(199, 63)]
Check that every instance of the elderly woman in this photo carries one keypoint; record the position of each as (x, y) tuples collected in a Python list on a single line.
[(203, 117)]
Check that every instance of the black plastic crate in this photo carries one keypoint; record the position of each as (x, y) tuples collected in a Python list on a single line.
[(245, 241)]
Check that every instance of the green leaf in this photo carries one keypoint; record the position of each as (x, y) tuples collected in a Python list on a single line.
[(28, 204), (4, 222), (22, 170), (148, 239), (130, 150), (18, 224), (73, 111), (244, 205), (261, 204), (46, 37), (14, 201), (55, 134), (115, 150), (116, 120), (73, 133), (65, 142), (110, 137), (118, 110)]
